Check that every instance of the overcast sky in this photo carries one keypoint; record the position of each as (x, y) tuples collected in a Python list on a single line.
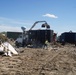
[(59, 14)]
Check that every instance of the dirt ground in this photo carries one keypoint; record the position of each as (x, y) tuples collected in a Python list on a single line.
[(58, 60)]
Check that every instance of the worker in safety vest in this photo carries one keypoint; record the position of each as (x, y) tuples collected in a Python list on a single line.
[(46, 44)]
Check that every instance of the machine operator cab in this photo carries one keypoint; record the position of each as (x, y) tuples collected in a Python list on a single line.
[(21, 40)]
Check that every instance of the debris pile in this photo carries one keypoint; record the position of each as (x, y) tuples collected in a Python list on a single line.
[(7, 49), (37, 61)]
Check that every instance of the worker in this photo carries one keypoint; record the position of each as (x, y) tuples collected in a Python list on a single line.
[(46, 44)]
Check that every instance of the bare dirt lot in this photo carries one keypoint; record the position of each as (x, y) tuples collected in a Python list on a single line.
[(60, 60)]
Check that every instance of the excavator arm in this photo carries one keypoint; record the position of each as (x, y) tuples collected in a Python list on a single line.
[(36, 23)]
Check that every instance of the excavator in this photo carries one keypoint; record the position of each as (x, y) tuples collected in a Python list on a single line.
[(30, 37)]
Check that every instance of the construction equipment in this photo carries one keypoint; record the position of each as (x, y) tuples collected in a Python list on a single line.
[(33, 37), (67, 37)]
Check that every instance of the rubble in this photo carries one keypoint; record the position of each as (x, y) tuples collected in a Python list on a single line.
[(7, 49), (38, 61)]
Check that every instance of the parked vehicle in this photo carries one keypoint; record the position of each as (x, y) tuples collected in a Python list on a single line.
[(34, 37), (68, 37)]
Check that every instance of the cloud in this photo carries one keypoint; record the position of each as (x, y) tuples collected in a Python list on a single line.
[(4, 20), (7, 24), (50, 15), (10, 28)]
